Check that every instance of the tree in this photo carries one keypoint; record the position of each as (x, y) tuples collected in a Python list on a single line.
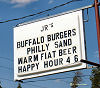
[(95, 78), (19, 85), (0, 85), (76, 79)]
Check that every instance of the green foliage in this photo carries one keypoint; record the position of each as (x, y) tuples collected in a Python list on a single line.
[(19, 85), (0, 85), (95, 78), (76, 79)]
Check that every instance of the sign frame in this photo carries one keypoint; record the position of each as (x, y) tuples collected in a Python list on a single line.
[(78, 65)]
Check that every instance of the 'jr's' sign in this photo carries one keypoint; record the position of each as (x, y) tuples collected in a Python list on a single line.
[(50, 45)]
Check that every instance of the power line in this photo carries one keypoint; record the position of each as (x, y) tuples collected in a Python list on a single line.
[(7, 79), (54, 79), (47, 79), (6, 58), (37, 86), (40, 11), (28, 83), (6, 68), (3, 67)]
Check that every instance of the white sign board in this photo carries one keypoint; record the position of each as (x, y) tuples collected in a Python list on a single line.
[(48, 46)]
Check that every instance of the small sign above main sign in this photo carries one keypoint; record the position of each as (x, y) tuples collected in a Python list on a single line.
[(48, 46)]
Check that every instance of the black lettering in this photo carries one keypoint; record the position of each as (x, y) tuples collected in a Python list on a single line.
[(34, 42), (22, 43), (28, 66), (60, 44), (45, 64), (42, 39), (49, 55), (65, 42), (51, 25), (64, 51), (69, 42), (25, 60), (74, 49), (33, 50), (60, 52), (73, 32), (69, 50), (37, 65), (50, 63), (76, 58), (29, 59), (57, 36), (48, 38), (68, 60), (45, 55), (30, 41), (45, 27), (53, 37), (28, 50), (26, 42), (53, 53), (36, 49), (56, 44), (38, 40), (42, 29), (32, 66), (35, 57), (19, 69), (42, 48), (42, 55), (65, 34), (56, 62), (60, 61), (20, 60), (61, 35), (47, 46), (69, 33), (18, 44), (24, 68)]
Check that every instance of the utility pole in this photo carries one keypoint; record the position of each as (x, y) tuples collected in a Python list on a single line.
[(97, 25), (96, 5)]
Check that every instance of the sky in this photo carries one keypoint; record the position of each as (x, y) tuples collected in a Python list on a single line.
[(12, 9)]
